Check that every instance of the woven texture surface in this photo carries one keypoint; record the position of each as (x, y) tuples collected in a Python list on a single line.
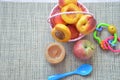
[(25, 33)]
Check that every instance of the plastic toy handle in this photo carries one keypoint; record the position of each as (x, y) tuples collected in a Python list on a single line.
[(115, 38), (102, 24), (96, 37), (59, 76)]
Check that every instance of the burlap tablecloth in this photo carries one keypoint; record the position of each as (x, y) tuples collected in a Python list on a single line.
[(25, 33)]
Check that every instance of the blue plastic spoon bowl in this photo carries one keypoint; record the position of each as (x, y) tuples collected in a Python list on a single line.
[(83, 70)]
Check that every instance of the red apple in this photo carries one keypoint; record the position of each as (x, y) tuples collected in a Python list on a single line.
[(83, 49)]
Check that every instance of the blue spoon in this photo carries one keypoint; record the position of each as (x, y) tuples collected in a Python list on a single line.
[(83, 70)]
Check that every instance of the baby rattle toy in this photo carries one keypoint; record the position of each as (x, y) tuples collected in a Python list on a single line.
[(110, 42)]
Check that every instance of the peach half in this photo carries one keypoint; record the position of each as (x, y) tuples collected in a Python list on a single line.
[(66, 2), (61, 33), (70, 18), (86, 24)]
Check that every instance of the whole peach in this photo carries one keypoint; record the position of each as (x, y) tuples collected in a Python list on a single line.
[(57, 19), (65, 2), (86, 24), (74, 31)]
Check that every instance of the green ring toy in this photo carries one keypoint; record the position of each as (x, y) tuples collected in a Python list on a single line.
[(111, 29)]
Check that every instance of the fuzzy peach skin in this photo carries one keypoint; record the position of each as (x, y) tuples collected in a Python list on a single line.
[(57, 19), (74, 31), (62, 3), (70, 18), (86, 24)]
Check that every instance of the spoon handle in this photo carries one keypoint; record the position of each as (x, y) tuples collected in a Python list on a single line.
[(59, 76)]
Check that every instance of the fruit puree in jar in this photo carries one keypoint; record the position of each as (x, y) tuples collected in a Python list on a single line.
[(55, 53)]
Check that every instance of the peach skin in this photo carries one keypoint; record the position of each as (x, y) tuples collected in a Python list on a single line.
[(86, 24), (57, 19), (62, 3), (70, 18), (74, 31)]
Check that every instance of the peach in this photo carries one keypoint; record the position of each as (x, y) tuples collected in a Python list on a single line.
[(86, 24), (62, 3), (74, 31), (57, 19), (61, 33), (70, 18)]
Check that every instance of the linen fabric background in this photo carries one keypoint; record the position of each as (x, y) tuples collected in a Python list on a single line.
[(25, 33)]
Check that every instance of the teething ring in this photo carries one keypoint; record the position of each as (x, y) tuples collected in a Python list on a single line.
[(111, 29), (108, 45)]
